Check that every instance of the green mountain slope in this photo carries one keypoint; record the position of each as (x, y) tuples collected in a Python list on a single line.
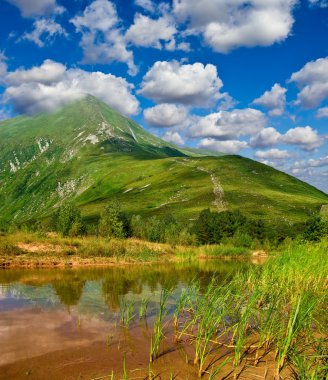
[(89, 153)]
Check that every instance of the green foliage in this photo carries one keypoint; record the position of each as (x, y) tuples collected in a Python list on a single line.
[(113, 222), (68, 221), (164, 229), (43, 167), (315, 229), (214, 227)]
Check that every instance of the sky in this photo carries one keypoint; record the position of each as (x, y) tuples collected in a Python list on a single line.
[(235, 76)]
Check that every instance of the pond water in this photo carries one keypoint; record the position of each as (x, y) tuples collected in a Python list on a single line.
[(47, 315)]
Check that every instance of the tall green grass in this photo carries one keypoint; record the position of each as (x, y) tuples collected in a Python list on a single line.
[(278, 308)]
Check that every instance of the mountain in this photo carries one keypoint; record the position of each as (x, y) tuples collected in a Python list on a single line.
[(89, 153)]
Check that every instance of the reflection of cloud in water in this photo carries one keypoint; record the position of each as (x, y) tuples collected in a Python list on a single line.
[(33, 332), (46, 310)]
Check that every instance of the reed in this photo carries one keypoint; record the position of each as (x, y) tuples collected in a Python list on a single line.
[(281, 305), (127, 312), (143, 308), (125, 374), (158, 329)]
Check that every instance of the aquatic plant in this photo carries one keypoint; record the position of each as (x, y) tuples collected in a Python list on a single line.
[(143, 307), (158, 329), (127, 312)]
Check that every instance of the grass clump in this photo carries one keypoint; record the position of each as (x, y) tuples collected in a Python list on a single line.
[(278, 308), (223, 251)]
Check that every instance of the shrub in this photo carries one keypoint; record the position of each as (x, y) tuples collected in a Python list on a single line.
[(68, 221), (315, 229), (113, 222)]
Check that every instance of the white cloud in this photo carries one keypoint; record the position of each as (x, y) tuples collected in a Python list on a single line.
[(306, 138), (265, 138), (312, 80), (173, 137), (102, 39), (146, 5), (313, 163), (228, 146), (173, 82), (227, 24), (48, 72), (165, 115), (273, 154), (32, 8), (183, 46), (100, 15), (226, 102), (322, 112), (312, 171), (319, 3), (148, 32), (229, 125), (44, 29), (52, 85), (274, 100)]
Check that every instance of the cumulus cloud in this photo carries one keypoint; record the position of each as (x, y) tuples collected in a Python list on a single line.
[(274, 100), (32, 8), (228, 125), (148, 32), (173, 82), (226, 102), (173, 137), (102, 39), (165, 115), (226, 24), (273, 154), (312, 80), (44, 30), (49, 72), (313, 171), (265, 138), (51, 85), (306, 138), (321, 113), (312, 163), (227, 146)]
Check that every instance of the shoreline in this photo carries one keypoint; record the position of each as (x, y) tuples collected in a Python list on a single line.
[(32, 250), (35, 263)]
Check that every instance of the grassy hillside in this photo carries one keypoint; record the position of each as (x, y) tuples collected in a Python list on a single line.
[(88, 152)]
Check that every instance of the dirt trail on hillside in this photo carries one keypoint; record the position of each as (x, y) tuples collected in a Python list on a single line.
[(218, 191)]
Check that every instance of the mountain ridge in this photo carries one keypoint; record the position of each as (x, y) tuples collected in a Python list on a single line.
[(89, 153)]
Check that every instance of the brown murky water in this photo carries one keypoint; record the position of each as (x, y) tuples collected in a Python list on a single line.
[(63, 324)]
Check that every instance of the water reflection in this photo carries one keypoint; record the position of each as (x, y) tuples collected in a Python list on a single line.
[(47, 287), (46, 310)]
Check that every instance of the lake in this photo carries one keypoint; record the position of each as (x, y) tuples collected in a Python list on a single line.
[(64, 323)]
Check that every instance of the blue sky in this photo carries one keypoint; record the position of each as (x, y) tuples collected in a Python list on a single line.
[(242, 77)]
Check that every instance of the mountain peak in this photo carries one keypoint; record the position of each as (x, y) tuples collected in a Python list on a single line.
[(89, 153)]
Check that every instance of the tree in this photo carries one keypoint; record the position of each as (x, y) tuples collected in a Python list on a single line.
[(256, 228), (315, 229), (68, 221), (203, 227), (113, 222), (212, 227)]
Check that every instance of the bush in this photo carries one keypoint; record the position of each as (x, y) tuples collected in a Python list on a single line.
[(113, 222), (68, 221), (212, 227), (315, 229)]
